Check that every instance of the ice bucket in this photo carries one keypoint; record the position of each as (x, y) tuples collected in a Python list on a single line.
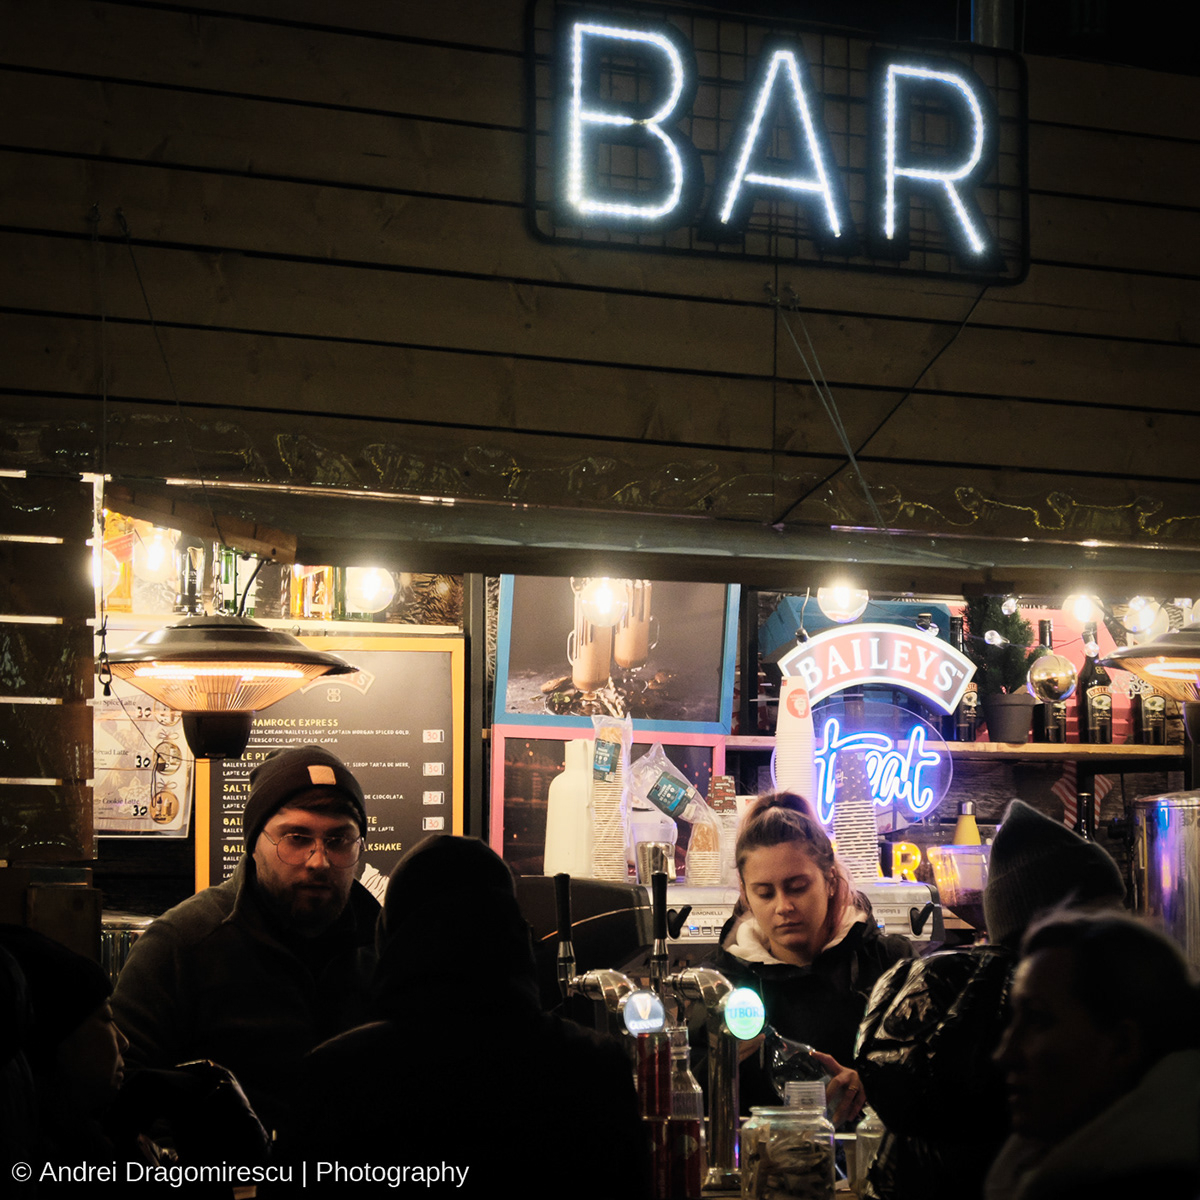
[(1166, 865)]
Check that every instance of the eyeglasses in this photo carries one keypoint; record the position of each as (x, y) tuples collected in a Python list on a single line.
[(296, 849)]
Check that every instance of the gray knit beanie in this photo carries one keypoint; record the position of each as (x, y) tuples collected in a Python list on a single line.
[(286, 774), (1037, 863)]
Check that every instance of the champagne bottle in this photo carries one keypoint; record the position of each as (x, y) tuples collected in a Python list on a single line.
[(1093, 706), (1150, 717), (1050, 716), (965, 719)]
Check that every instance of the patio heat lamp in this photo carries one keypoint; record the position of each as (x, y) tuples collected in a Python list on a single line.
[(218, 671), (1171, 665)]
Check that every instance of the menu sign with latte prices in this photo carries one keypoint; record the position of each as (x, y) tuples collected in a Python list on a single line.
[(395, 723)]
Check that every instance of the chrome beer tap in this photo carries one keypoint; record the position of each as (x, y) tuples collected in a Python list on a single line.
[(606, 988), (721, 1001)]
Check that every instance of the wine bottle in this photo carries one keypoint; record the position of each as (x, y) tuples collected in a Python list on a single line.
[(1050, 716), (965, 719), (1093, 705), (1150, 717), (1085, 816)]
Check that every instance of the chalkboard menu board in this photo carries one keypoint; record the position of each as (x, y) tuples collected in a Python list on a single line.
[(396, 723)]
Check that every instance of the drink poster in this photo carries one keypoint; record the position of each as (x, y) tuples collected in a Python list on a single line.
[(395, 723), (142, 765), (660, 652)]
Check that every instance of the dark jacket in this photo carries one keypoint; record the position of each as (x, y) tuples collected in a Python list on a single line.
[(218, 977), (820, 1004), (1146, 1143), (925, 1058)]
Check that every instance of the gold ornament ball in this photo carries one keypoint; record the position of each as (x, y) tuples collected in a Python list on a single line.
[(1052, 677)]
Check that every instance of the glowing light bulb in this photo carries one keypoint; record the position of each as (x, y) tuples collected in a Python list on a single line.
[(153, 553), (110, 571), (842, 603), (1081, 607), (1141, 614), (1009, 606), (993, 638), (604, 600), (369, 589)]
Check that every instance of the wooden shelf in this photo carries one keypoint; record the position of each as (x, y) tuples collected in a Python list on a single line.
[(1132, 755)]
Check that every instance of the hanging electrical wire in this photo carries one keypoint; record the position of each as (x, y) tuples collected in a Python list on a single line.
[(827, 402), (852, 455), (125, 230)]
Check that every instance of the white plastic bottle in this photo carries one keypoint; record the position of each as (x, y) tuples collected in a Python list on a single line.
[(869, 1133), (569, 815)]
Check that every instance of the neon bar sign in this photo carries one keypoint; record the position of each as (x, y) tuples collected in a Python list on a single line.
[(897, 770), (904, 86), (853, 655)]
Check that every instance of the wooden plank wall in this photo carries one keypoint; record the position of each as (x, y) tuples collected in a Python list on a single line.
[(46, 603), (325, 213)]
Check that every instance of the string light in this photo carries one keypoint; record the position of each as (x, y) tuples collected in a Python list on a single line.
[(842, 603)]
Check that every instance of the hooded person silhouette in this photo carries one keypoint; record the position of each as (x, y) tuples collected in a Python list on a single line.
[(463, 1073)]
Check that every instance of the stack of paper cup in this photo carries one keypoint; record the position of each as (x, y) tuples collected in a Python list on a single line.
[(609, 860), (794, 766), (854, 828)]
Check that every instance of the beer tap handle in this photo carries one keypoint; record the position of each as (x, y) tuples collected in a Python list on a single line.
[(658, 893), (659, 955), (565, 960), (676, 918)]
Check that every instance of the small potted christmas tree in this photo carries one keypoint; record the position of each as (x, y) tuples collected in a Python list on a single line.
[(1002, 666)]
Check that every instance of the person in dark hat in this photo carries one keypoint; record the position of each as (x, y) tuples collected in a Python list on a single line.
[(462, 1076), (926, 1043), (255, 972)]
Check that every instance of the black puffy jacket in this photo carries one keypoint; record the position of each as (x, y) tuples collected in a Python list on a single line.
[(925, 1058)]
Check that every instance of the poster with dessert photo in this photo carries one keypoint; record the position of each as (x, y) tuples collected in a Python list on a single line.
[(572, 648)]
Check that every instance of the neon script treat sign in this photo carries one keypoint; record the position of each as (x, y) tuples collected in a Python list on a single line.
[(630, 85), (898, 771)]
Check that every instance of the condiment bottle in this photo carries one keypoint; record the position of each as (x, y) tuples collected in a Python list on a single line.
[(685, 1126), (966, 831), (868, 1135)]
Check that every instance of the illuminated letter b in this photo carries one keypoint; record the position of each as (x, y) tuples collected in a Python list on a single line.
[(619, 88)]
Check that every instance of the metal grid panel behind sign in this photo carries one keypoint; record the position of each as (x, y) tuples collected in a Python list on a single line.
[(727, 51)]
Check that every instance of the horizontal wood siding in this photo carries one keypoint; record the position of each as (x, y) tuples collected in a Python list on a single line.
[(324, 207), (46, 682)]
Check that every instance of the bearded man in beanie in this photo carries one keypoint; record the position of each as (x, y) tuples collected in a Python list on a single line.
[(926, 1043), (255, 972)]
